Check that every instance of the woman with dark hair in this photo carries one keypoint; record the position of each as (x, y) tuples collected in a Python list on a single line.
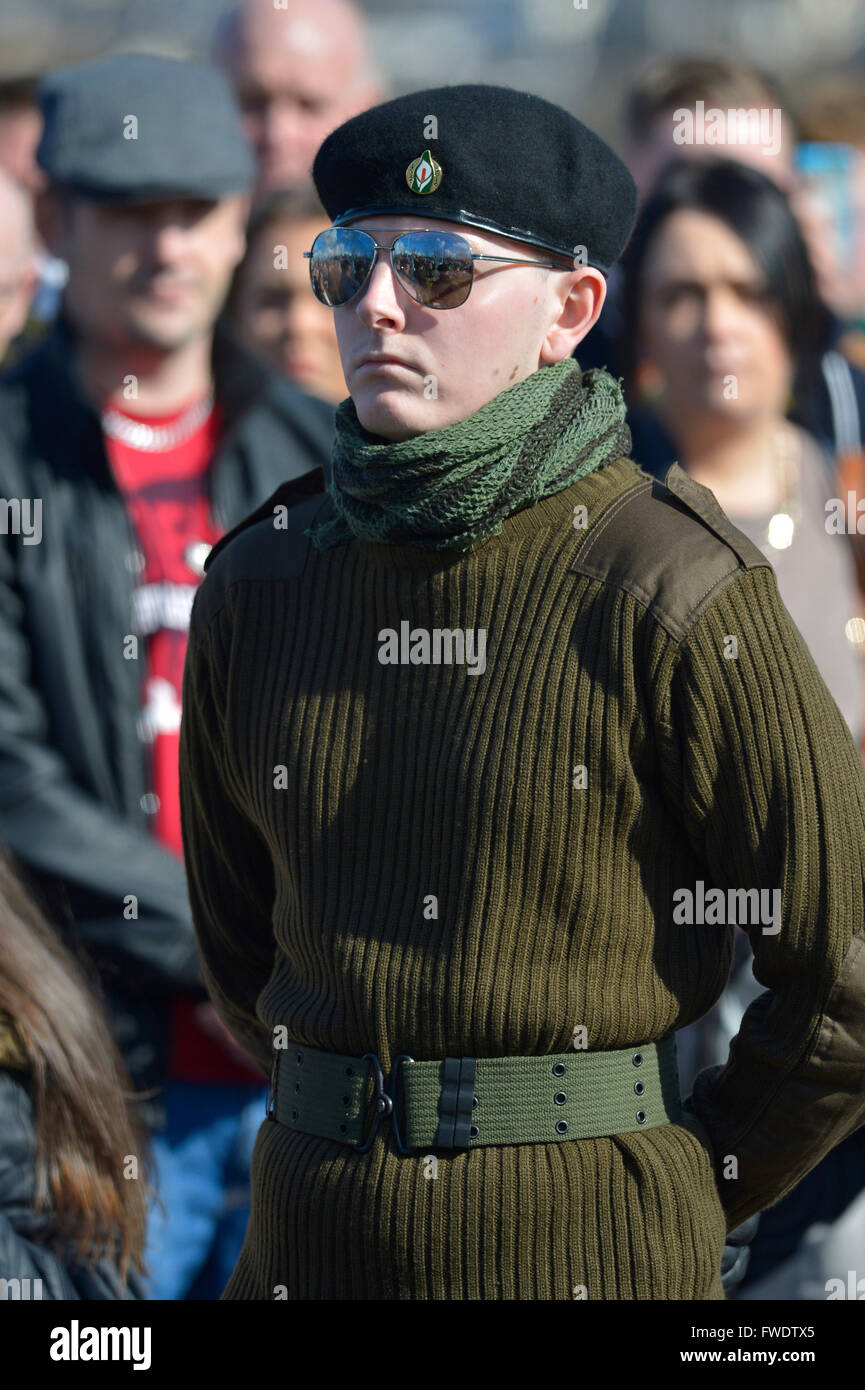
[(73, 1156), (723, 332)]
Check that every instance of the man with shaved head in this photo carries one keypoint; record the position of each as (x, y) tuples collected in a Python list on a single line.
[(298, 72), (17, 272)]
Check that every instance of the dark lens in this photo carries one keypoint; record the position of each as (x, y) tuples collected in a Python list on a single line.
[(435, 268), (340, 263)]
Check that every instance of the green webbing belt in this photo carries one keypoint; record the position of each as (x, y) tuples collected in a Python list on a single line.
[(462, 1102)]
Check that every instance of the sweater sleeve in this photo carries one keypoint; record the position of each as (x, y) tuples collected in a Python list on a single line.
[(228, 864), (772, 796)]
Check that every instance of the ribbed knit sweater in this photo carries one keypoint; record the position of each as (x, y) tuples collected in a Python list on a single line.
[(327, 797)]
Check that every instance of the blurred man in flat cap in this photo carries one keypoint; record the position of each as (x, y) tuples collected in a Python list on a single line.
[(299, 68), (140, 435), (463, 744)]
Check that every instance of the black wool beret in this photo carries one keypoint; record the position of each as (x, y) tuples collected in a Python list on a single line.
[(138, 126), (490, 157)]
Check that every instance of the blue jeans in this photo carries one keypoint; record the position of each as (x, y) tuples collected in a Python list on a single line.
[(202, 1162)]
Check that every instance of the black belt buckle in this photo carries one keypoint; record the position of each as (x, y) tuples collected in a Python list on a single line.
[(456, 1102), (385, 1101)]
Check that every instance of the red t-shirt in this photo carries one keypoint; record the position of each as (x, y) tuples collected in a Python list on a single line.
[(166, 496)]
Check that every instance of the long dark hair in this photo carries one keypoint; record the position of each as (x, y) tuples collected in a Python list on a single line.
[(86, 1126), (753, 207)]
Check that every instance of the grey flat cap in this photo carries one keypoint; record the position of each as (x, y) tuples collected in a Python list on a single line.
[(136, 126)]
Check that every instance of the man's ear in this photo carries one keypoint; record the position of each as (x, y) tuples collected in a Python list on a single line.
[(581, 298), (49, 214)]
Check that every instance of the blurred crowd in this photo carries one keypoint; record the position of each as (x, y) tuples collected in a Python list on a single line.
[(165, 366)]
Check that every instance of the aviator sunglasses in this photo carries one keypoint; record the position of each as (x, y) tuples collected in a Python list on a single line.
[(435, 268)]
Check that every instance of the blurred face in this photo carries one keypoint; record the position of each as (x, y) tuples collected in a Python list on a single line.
[(446, 364), (708, 325), (154, 274), (279, 316), (296, 78), (288, 108)]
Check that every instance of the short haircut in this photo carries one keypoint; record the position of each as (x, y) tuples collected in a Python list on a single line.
[(671, 83), (229, 37), (300, 204)]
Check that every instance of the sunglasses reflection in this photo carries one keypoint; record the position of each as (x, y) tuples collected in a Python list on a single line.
[(434, 268)]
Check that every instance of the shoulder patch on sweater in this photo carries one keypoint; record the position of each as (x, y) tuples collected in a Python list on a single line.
[(258, 548), (289, 494), (670, 545)]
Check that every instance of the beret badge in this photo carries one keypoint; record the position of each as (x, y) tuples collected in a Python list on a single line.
[(424, 174)]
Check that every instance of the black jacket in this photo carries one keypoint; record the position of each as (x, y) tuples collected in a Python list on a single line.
[(24, 1254), (73, 770)]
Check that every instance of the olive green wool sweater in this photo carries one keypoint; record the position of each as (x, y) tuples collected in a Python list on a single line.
[(327, 796)]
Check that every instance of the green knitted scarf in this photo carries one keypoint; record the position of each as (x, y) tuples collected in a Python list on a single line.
[(451, 487)]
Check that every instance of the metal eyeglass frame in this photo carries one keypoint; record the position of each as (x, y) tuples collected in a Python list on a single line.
[(441, 308)]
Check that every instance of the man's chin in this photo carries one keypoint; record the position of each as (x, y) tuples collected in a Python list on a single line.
[(392, 415), (162, 331)]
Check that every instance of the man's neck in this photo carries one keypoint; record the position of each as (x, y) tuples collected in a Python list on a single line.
[(145, 380)]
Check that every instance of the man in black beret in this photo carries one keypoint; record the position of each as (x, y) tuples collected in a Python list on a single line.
[(464, 743), (135, 436)]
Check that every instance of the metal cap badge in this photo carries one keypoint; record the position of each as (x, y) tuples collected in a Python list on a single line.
[(423, 175)]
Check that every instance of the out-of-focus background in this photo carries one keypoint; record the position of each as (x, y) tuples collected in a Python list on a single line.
[(577, 54)]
